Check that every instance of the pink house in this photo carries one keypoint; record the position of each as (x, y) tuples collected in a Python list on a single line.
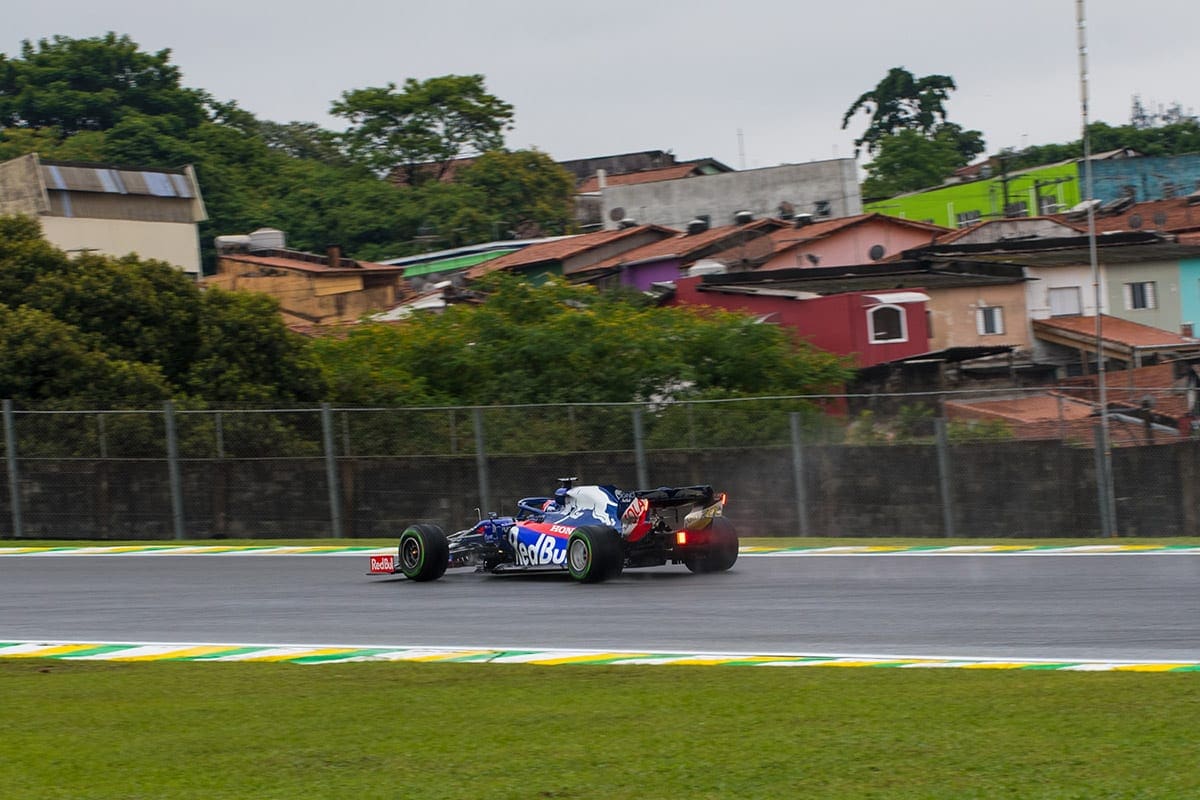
[(859, 239)]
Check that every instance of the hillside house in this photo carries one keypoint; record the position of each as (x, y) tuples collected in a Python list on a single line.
[(100, 208), (312, 289)]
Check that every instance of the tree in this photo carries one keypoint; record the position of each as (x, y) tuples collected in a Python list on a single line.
[(901, 101), (46, 363), (305, 140), (135, 310), (525, 190), (245, 353), (429, 122), (913, 144), (557, 343), (90, 84), (907, 161), (141, 327)]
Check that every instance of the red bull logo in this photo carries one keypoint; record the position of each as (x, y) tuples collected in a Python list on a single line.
[(385, 564)]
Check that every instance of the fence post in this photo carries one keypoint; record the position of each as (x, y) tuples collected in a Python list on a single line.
[(173, 474), (331, 476), (219, 430), (481, 463), (639, 450), (798, 474), (1104, 487), (14, 477), (943, 459), (101, 434)]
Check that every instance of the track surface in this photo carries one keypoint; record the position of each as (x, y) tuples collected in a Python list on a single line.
[(1126, 607)]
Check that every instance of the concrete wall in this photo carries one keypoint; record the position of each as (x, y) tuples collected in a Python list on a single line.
[(21, 188), (954, 314), (1164, 275), (177, 243), (1019, 488), (760, 191)]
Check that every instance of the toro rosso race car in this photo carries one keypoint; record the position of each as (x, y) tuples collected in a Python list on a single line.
[(591, 532)]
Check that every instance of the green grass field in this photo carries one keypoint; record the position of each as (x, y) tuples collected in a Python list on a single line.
[(126, 731)]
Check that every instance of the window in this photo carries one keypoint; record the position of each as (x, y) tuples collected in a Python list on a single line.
[(887, 324), (822, 208), (1140, 295), (1064, 302), (989, 320), (968, 218), (1017, 209)]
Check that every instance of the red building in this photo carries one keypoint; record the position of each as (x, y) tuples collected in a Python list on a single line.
[(873, 326)]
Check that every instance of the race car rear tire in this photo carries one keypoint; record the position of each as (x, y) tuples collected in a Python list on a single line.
[(594, 554), (721, 554), (423, 553)]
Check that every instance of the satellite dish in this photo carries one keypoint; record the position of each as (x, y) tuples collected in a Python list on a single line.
[(1135, 221), (876, 252), (617, 214)]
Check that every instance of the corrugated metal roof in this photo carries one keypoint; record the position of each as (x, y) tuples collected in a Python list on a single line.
[(108, 180)]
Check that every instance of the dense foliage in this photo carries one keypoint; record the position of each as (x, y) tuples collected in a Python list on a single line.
[(569, 344), (99, 332), (1174, 139), (102, 100)]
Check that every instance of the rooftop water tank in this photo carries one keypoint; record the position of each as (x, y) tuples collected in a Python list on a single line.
[(267, 239)]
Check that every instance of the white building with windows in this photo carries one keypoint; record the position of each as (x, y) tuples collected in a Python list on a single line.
[(85, 208)]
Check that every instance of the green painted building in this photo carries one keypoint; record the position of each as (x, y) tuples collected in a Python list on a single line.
[(1049, 189)]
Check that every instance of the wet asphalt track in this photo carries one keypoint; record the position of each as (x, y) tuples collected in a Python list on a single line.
[(1128, 607)]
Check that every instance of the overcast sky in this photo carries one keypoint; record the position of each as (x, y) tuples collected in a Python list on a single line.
[(752, 84)]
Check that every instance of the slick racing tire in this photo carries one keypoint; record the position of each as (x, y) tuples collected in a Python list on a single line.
[(594, 554), (721, 554), (423, 553)]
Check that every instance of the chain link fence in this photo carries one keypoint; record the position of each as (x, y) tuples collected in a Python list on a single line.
[(847, 465)]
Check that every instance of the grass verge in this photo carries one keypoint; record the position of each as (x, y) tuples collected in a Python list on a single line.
[(129, 731)]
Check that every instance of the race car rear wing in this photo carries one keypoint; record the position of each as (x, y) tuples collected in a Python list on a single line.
[(668, 497)]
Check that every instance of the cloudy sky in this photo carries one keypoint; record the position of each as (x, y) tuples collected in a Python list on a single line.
[(752, 84)]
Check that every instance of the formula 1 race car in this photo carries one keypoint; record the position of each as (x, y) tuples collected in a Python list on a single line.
[(591, 532)]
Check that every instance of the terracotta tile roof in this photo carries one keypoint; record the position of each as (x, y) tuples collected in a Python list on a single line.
[(673, 172), (1116, 330), (1169, 216), (561, 248), (793, 236), (1129, 387), (1052, 406), (1071, 412), (683, 245), (311, 263)]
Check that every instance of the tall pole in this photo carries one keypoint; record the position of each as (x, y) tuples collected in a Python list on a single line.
[(1104, 482)]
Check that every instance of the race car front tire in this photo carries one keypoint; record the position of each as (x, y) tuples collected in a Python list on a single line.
[(423, 553), (721, 553), (594, 554)]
